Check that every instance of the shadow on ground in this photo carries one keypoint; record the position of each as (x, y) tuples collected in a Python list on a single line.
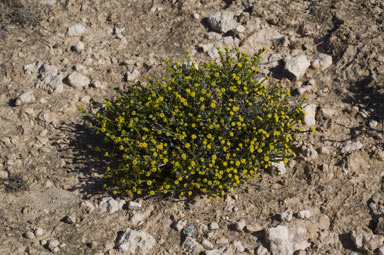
[(368, 94)]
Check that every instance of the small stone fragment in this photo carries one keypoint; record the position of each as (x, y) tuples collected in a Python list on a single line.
[(29, 235), (207, 244), (135, 242), (380, 251), (327, 113), (262, 251), (132, 75), (88, 205), (180, 225), (285, 241), (111, 205), (304, 214), (310, 113), (373, 123), (53, 243), (322, 61), (134, 205), (77, 80), (191, 245), (79, 46), (240, 225), (366, 241), (213, 225), (25, 98), (238, 246), (219, 251), (49, 79), (38, 232), (296, 66), (76, 30), (222, 21), (350, 146), (286, 216), (70, 219), (3, 174), (279, 168), (48, 2), (222, 241)]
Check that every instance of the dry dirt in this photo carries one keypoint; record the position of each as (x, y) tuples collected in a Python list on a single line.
[(46, 161)]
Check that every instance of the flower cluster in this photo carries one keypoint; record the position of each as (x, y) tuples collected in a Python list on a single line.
[(204, 129)]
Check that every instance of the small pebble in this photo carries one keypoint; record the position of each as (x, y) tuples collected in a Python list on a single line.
[(53, 243), (207, 244), (134, 205), (79, 46), (29, 235), (39, 232), (180, 225), (304, 214), (373, 124), (222, 241), (240, 225), (213, 226)]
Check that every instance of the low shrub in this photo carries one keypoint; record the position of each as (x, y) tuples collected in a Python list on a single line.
[(202, 129)]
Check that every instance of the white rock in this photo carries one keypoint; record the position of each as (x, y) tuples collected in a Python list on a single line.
[(304, 214), (85, 99), (53, 243), (238, 246), (325, 150), (76, 30), (262, 251), (296, 66), (111, 205), (213, 225), (286, 216), (222, 241), (180, 225), (240, 225), (322, 61), (39, 232), (32, 68), (214, 36), (207, 244), (135, 242), (3, 174), (219, 251), (88, 205), (138, 218), (25, 98), (191, 245), (79, 46), (279, 168), (327, 113), (134, 205), (132, 75), (222, 21), (240, 29), (309, 152), (77, 80), (285, 241), (310, 113), (29, 235), (350, 146), (366, 241), (50, 79), (48, 2), (262, 37), (373, 123)]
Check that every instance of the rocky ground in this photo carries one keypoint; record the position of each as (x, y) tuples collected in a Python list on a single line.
[(56, 55)]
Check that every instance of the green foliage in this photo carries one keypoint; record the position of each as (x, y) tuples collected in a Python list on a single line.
[(204, 129)]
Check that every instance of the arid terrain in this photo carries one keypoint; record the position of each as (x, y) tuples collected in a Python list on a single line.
[(57, 55)]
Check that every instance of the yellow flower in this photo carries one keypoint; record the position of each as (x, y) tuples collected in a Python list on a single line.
[(187, 145)]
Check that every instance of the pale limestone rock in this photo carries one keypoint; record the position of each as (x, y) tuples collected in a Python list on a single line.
[(296, 66), (135, 242)]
